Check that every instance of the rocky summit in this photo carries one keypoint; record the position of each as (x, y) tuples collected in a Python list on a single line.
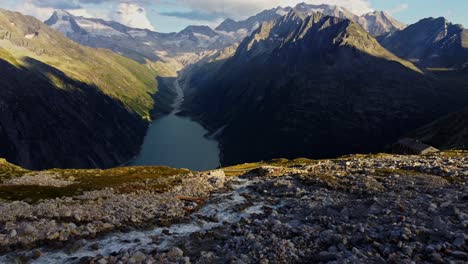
[(355, 209)]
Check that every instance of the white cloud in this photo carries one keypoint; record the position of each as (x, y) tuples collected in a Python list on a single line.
[(93, 13), (245, 8), (127, 12), (398, 9), (132, 15), (28, 8)]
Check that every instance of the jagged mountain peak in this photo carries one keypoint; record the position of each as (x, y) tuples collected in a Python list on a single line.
[(59, 15), (64, 22), (204, 30), (315, 33), (376, 23), (331, 10), (227, 25), (380, 23), (430, 42), (62, 12)]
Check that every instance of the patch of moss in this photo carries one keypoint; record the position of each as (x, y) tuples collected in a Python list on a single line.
[(121, 179), (454, 153), (364, 156), (9, 171), (280, 162), (241, 168)]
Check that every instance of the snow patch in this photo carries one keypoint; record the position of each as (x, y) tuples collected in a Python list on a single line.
[(31, 36), (137, 33), (97, 29), (281, 12)]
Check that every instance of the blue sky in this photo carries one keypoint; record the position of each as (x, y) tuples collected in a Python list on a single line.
[(174, 15)]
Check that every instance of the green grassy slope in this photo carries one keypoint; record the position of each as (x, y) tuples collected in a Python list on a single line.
[(65, 105), (122, 78)]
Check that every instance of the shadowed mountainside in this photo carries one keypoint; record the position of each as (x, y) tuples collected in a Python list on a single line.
[(65, 105), (449, 132), (314, 86), (431, 42), (44, 126)]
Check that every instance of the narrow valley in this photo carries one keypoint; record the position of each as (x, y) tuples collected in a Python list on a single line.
[(177, 141), (137, 132)]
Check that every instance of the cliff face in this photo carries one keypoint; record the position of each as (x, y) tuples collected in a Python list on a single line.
[(65, 105)]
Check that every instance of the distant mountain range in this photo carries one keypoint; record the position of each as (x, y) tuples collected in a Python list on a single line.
[(138, 44), (309, 80), (312, 85), (65, 105), (376, 23), (143, 44)]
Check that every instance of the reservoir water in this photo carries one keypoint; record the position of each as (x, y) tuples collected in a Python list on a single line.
[(178, 142)]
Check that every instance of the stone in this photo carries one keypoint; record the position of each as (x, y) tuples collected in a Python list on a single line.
[(407, 250), (36, 254), (94, 246), (77, 217), (175, 253), (437, 258), (459, 241), (459, 255), (103, 261), (28, 229), (139, 257), (439, 224)]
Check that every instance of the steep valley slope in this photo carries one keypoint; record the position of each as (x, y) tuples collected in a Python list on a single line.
[(315, 86), (448, 132), (65, 105)]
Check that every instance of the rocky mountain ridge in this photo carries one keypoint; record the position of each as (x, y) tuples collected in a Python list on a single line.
[(377, 23), (139, 44), (306, 84), (431, 42), (143, 44)]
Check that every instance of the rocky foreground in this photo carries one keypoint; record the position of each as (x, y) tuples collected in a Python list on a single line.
[(371, 209)]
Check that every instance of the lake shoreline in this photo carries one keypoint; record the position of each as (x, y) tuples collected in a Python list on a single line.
[(178, 140)]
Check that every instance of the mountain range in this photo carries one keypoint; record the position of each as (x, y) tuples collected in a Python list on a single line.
[(313, 85), (376, 23), (143, 44), (138, 44), (308, 80)]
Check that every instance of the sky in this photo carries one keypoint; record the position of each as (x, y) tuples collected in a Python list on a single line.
[(174, 15)]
